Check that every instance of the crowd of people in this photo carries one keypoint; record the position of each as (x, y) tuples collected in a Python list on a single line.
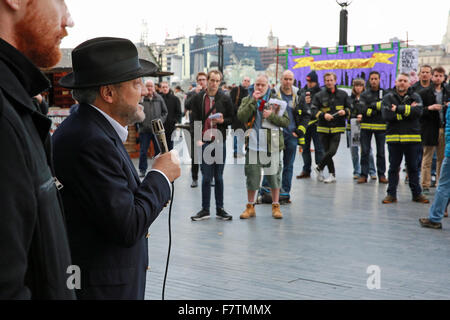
[(407, 120)]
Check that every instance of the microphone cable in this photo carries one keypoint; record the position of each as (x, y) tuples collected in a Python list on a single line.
[(170, 242)]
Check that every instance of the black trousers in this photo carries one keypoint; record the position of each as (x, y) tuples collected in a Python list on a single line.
[(411, 152), (194, 166), (330, 144)]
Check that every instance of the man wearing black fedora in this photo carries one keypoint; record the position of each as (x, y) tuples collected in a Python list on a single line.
[(108, 209)]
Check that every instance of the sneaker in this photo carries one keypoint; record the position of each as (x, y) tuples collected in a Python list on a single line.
[(421, 198), (389, 199), (223, 215), (427, 223), (141, 173), (331, 178), (201, 215), (304, 175), (382, 179), (319, 174), (362, 179), (276, 212), (249, 212), (194, 184)]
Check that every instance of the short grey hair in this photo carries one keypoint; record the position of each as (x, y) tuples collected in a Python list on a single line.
[(86, 95), (263, 75)]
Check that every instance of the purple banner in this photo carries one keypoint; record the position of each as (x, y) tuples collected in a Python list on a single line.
[(347, 65)]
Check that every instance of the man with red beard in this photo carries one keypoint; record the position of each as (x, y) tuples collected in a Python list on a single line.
[(35, 256)]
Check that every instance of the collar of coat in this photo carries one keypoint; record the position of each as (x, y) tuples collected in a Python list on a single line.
[(26, 76)]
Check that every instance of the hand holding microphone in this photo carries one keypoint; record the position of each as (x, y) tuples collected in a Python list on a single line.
[(166, 162)]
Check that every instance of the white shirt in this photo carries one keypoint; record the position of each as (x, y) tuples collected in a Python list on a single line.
[(121, 131), (123, 135)]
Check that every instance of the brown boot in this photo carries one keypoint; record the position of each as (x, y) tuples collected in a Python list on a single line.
[(249, 212), (389, 199), (383, 179), (304, 175), (362, 179), (421, 198), (276, 213)]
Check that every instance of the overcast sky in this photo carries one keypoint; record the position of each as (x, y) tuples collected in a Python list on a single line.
[(249, 21)]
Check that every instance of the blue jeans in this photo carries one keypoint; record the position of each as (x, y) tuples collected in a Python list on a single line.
[(290, 150), (355, 159), (411, 152), (208, 172), (238, 145), (311, 134), (442, 197), (433, 164), (145, 139), (366, 150)]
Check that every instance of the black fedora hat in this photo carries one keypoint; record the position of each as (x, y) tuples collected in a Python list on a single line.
[(103, 61)]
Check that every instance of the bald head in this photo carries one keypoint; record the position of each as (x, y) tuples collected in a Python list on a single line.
[(287, 81), (246, 82), (150, 85)]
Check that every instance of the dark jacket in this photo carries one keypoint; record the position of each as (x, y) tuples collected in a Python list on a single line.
[(403, 125), (355, 109), (188, 101), (431, 120), (222, 104), (173, 112), (34, 249), (370, 108), (417, 87), (302, 116), (330, 102), (108, 209), (237, 94), (302, 100), (154, 108)]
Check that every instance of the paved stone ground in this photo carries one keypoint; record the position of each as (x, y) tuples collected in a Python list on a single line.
[(322, 248)]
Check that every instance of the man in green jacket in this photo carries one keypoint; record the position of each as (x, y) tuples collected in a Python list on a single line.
[(264, 144)]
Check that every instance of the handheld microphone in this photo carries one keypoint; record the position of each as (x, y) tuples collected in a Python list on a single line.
[(160, 133)]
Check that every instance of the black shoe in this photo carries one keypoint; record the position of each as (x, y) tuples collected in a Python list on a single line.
[(221, 214), (427, 223), (141, 173), (201, 215), (194, 184)]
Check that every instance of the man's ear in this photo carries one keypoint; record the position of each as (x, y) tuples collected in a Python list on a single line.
[(15, 4), (107, 93)]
